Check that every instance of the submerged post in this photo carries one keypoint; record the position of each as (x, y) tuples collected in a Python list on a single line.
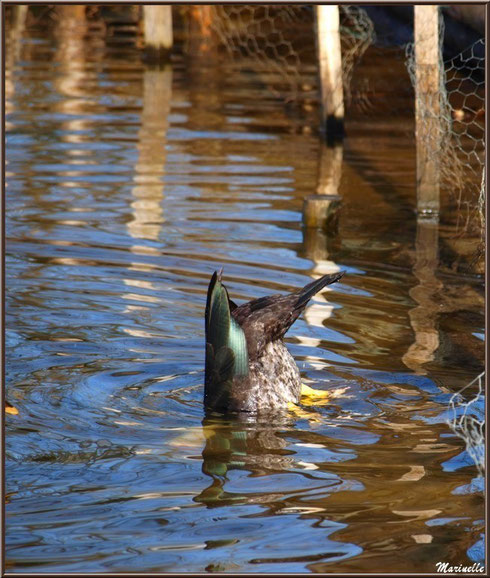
[(158, 31), (330, 69), (427, 106)]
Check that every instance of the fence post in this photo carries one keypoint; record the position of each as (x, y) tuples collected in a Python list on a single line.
[(321, 210), (427, 106), (330, 69), (158, 31)]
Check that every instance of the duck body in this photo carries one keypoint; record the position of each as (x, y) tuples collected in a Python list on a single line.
[(248, 367)]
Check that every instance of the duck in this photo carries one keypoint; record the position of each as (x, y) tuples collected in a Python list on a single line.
[(248, 367)]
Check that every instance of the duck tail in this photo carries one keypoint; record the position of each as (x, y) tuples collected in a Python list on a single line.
[(226, 346), (312, 288)]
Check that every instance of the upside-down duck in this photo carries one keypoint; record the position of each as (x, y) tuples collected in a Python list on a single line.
[(248, 367)]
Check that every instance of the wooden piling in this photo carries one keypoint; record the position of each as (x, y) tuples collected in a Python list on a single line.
[(158, 31), (321, 211), (427, 106), (329, 169), (330, 69)]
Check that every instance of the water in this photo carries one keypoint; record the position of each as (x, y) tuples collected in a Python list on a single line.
[(126, 188)]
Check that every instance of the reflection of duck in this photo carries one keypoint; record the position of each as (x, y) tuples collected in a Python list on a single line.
[(236, 445), (248, 367)]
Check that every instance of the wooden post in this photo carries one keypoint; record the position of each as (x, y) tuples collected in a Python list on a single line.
[(158, 31), (329, 169), (321, 210), (427, 106), (330, 69)]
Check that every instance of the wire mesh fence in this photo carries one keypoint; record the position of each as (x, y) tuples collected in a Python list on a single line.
[(277, 40), (458, 138), (467, 409)]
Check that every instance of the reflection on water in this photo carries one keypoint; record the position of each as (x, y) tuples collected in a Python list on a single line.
[(423, 318), (127, 187)]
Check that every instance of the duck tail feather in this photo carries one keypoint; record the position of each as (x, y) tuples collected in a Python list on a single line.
[(312, 288)]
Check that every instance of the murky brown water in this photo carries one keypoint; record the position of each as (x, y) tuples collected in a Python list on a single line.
[(127, 187)]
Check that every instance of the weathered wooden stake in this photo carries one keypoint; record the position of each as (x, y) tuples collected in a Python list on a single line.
[(320, 211), (330, 69), (329, 169), (158, 31), (427, 106)]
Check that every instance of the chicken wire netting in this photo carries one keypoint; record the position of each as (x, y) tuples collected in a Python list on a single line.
[(467, 419), (457, 139), (278, 40)]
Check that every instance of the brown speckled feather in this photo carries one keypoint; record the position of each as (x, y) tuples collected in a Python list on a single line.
[(267, 319)]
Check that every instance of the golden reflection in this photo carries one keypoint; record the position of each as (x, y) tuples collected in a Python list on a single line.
[(415, 474), (423, 317), (415, 515), (13, 54), (72, 80), (316, 245), (422, 538), (148, 189)]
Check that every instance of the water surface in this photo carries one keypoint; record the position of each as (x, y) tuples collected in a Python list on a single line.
[(127, 186)]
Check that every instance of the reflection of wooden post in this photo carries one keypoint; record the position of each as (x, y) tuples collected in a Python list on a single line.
[(201, 39), (320, 210), (71, 80), (423, 317), (158, 31), (202, 15), (69, 14), (16, 33), (148, 189), (427, 106), (19, 15), (330, 69)]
